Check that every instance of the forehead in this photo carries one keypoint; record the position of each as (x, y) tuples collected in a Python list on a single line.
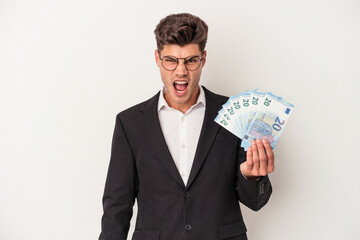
[(180, 51)]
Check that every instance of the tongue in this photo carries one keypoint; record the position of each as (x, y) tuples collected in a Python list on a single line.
[(180, 87)]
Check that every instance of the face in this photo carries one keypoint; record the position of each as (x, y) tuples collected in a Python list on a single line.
[(182, 85)]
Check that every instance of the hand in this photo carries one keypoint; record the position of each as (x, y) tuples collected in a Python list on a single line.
[(259, 160)]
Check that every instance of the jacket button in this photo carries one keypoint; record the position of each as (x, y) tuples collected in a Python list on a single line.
[(186, 194), (188, 227)]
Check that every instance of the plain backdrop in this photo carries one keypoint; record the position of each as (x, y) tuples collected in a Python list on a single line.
[(68, 67)]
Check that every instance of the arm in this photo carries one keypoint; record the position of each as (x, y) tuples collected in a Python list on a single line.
[(253, 185), (120, 188)]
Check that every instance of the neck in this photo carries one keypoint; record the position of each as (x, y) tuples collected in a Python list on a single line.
[(183, 107)]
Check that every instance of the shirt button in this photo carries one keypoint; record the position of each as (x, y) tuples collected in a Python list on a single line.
[(183, 145), (188, 227), (187, 194)]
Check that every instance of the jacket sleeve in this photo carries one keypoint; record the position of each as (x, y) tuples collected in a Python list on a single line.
[(252, 193), (120, 188)]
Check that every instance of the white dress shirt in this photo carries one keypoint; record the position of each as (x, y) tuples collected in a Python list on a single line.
[(182, 131)]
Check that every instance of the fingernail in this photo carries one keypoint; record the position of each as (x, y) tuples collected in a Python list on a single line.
[(258, 141)]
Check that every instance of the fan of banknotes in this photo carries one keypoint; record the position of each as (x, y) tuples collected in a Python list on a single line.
[(255, 115)]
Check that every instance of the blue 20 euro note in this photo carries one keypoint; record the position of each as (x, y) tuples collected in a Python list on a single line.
[(255, 115)]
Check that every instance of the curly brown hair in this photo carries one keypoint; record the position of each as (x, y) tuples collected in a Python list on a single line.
[(181, 29)]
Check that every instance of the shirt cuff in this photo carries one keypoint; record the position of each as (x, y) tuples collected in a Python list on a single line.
[(249, 179)]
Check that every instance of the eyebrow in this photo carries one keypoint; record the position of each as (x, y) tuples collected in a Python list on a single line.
[(190, 56)]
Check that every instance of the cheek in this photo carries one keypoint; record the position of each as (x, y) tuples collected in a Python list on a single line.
[(166, 78), (196, 77)]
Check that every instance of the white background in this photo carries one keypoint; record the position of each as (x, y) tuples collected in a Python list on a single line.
[(68, 67)]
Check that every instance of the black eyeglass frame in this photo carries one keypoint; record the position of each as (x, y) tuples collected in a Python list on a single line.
[(177, 61)]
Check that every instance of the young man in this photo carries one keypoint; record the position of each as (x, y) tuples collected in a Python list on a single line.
[(187, 173)]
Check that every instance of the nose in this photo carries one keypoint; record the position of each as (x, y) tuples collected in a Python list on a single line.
[(181, 69)]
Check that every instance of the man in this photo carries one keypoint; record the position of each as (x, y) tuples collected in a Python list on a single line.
[(187, 173)]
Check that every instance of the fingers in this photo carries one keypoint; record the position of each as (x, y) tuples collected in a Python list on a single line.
[(249, 158), (259, 159), (263, 166), (246, 167), (270, 156), (256, 166)]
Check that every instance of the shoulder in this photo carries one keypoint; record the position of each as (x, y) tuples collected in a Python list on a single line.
[(132, 112), (209, 95)]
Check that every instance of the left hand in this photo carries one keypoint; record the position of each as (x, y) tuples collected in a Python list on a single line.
[(259, 160)]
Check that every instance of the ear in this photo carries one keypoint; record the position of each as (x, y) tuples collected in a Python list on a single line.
[(204, 58), (157, 58)]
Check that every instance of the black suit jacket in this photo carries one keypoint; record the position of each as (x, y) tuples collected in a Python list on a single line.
[(141, 167)]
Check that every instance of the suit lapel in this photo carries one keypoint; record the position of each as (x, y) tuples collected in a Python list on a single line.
[(149, 121), (208, 132)]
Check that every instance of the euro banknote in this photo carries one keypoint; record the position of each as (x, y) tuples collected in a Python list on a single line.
[(255, 115)]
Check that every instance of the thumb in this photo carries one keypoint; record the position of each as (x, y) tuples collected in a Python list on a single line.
[(247, 166)]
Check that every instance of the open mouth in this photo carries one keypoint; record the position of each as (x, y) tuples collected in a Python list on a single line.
[(180, 86)]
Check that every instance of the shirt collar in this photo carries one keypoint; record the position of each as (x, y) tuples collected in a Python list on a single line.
[(162, 102)]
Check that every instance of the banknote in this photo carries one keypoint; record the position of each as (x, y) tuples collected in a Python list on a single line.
[(255, 115), (241, 107), (228, 114)]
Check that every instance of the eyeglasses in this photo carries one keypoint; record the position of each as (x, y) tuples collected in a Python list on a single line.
[(170, 63)]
